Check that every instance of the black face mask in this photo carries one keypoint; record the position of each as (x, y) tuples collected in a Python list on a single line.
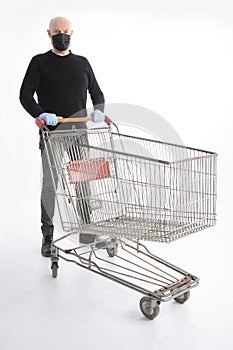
[(61, 41)]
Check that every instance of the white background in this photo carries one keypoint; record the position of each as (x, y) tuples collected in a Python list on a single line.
[(175, 58)]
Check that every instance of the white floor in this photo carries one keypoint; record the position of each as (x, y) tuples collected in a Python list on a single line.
[(187, 47), (84, 311)]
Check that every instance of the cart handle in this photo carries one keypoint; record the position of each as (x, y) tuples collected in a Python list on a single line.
[(41, 123)]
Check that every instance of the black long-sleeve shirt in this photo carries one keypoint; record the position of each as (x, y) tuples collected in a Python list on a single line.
[(61, 84)]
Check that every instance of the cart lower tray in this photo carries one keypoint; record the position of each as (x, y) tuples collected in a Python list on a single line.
[(131, 264)]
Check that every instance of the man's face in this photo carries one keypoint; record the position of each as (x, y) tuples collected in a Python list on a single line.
[(60, 26)]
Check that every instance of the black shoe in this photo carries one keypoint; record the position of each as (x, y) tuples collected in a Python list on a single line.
[(46, 245), (86, 238)]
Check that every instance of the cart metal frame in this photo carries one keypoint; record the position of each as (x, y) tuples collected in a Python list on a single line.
[(187, 182)]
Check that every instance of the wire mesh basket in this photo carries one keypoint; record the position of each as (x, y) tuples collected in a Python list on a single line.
[(124, 186)]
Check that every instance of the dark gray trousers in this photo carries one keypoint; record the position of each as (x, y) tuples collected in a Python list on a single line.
[(49, 185)]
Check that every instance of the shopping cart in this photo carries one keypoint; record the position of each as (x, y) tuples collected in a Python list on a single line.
[(116, 191)]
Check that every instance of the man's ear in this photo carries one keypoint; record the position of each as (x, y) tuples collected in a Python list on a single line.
[(49, 34)]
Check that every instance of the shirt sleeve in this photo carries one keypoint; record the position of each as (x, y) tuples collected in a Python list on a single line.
[(96, 94), (28, 88)]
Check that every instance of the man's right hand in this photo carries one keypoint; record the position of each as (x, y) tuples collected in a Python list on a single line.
[(49, 118)]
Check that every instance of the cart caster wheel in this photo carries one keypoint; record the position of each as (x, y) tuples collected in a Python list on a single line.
[(54, 268), (149, 307), (112, 251), (181, 299)]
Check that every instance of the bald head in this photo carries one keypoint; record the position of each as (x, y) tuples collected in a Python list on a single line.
[(60, 30), (60, 25)]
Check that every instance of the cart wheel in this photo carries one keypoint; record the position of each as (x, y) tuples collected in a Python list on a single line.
[(54, 268), (112, 251), (181, 299), (149, 307)]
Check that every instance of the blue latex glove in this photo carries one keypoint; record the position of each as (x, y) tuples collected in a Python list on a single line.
[(98, 116), (49, 118)]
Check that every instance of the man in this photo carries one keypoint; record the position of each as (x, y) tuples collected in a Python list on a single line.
[(60, 80)]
